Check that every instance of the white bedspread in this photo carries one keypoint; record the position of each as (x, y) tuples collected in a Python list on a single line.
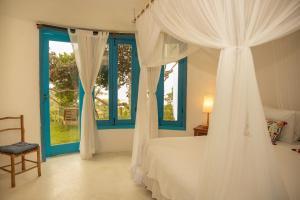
[(171, 166)]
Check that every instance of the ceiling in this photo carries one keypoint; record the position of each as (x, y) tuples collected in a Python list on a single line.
[(98, 14)]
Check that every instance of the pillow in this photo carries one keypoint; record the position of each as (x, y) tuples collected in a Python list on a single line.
[(275, 128), (288, 133)]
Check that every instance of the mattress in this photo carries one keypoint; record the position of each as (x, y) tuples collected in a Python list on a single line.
[(170, 167)]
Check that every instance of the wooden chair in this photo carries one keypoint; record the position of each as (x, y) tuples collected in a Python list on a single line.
[(19, 149)]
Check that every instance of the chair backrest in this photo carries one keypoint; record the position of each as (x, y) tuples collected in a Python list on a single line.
[(21, 128)]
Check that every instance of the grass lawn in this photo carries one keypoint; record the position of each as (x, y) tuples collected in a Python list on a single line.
[(61, 134)]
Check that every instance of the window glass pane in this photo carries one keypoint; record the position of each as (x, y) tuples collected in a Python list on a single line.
[(101, 91), (124, 81), (170, 92), (63, 94)]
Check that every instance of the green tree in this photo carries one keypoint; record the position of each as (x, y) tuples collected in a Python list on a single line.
[(168, 107), (64, 77), (124, 64), (124, 68)]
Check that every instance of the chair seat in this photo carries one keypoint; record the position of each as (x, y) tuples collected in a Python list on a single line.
[(18, 148)]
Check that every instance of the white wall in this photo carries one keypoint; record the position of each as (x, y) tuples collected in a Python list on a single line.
[(201, 74), (100, 14), (19, 56), (19, 76), (200, 82), (19, 79), (19, 86), (278, 72)]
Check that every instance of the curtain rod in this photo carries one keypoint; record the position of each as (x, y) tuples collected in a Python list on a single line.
[(142, 11), (40, 25)]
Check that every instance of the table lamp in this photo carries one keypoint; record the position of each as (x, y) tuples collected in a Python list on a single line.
[(207, 106)]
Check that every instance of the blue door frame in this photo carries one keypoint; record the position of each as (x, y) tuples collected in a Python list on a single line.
[(47, 34)]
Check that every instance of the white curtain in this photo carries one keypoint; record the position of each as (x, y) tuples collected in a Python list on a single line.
[(239, 162), (146, 119), (147, 114), (153, 74), (141, 133), (89, 49)]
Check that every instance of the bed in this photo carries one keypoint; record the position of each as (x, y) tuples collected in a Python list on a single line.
[(170, 167)]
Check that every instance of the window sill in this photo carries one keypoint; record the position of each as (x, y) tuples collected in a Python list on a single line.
[(119, 126), (132, 126), (175, 128)]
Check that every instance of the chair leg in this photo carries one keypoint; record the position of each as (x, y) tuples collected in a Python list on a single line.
[(12, 173), (38, 159), (23, 163)]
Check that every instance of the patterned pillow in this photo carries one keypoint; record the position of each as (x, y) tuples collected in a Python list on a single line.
[(275, 128)]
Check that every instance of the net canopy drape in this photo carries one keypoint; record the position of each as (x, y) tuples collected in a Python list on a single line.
[(161, 49), (88, 49), (239, 162)]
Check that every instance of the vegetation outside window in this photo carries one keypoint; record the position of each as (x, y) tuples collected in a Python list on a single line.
[(171, 96), (63, 93)]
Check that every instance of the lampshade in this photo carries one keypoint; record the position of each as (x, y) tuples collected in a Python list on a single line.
[(208, 104)]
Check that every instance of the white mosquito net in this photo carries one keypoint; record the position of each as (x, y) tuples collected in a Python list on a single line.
[(239, 162)]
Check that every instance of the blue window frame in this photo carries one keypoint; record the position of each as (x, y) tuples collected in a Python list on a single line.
[(171, 96), (109, 106)]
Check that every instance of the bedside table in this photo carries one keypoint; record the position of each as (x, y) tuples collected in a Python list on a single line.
[(200, 130)]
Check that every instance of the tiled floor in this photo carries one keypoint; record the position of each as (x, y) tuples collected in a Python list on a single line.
[(106, 177)]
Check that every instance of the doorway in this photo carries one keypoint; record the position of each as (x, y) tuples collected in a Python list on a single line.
[(59, 94)]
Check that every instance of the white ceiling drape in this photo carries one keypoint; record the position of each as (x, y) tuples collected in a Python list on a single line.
[(239, 162), (156, 47)]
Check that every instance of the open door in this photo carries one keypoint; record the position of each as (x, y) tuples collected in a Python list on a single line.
[(59, 93)]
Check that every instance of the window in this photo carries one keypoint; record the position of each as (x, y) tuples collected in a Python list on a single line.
[(117, 84), (171, 96)]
